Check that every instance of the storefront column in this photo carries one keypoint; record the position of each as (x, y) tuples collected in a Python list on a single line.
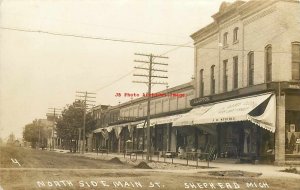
[(280, 131), (119, 144), (168, 137), (173, 139)]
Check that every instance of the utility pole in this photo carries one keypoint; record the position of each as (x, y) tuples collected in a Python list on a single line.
[(84, 97), (150, 69), (54, 112)]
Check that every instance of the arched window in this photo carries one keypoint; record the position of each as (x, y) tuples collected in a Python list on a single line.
[(268, 62), (212, 79), (201, 83), (225, 42), (296, 61), (235, 34), (251, 68)]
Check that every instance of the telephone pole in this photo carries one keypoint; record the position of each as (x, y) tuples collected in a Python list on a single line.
[(150, 69), (85, 98), (54, 112)]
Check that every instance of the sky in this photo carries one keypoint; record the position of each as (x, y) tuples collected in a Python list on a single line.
[(40, 71)]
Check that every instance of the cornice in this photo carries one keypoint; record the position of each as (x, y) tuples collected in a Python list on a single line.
[(234, 12), (205, 40)]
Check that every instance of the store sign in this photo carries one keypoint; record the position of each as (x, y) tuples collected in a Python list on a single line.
[(295, 86), (197, 101)]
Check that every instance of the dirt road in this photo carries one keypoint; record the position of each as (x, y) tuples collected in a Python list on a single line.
[(49, 170)]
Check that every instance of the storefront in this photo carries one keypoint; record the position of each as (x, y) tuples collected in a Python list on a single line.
[(292, 126), (240, 128)]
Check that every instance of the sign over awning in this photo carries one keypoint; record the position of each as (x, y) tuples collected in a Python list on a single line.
[(234, 110)]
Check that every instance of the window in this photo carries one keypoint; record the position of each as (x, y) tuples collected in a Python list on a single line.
[(225, 75), (250, 68), (235, 71), (268, 61), (212, 79), (296, 61), (225, 39), (235, 35), (201, 83)]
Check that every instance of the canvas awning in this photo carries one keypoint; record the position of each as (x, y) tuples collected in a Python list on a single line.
[(117, 128), (234, 110), (103, 131), (161, 120), (189, 117), (98, 130)]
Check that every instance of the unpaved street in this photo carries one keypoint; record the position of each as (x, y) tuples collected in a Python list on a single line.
[(49, 170)]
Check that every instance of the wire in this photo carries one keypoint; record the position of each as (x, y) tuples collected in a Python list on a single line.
[(129, 73), (130, 41), (133, 41), (95, 38)]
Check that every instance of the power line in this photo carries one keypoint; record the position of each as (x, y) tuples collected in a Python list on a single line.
[(133, 41), (129, 73), (95, 37), (101, 26)]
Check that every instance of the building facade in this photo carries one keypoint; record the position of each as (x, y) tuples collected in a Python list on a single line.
[(250, 49), (244, 102), (124, 125)]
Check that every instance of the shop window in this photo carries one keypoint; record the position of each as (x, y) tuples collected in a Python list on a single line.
[(201, 83), (296, 61), (235, 35), (235, 71), (268, 62), (292, 128), (250, 68), (212, 79), (225, 75)]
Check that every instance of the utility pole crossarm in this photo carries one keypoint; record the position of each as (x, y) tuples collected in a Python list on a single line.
[(150, 76), (85, 98), (148, 55), (85, 92)]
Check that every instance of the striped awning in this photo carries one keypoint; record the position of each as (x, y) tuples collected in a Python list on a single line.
[(242, 109)]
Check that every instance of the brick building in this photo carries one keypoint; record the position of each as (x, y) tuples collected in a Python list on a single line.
[(247, 87), (126, 122)]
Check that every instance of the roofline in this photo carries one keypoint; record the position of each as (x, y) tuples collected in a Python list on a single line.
[(241, 9), (175, 88)]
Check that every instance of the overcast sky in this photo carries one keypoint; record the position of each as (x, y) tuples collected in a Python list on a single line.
[(38, 70)]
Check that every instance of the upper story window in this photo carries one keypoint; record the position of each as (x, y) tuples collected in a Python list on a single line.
[(235, 35), (225, 75), (251, 68), (225, 37), (201, 83), (296, 61), (212, 80), (235, 71), (268, 62)]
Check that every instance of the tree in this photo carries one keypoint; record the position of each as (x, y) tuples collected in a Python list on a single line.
[(36, 134), (71, 121), (11, 139)]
